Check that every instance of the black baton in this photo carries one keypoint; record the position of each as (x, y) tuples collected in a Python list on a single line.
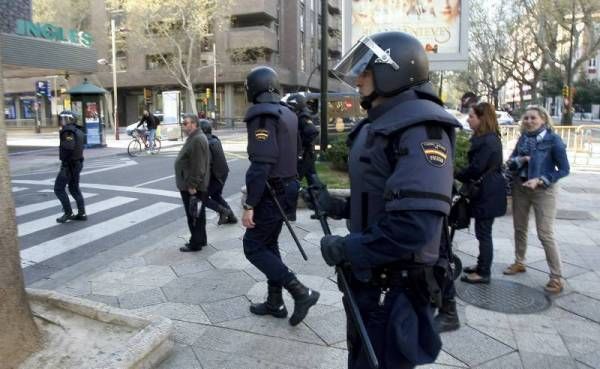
[(315, 185), (285, 219)]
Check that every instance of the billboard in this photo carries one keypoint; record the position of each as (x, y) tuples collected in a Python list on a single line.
[(440, 25)]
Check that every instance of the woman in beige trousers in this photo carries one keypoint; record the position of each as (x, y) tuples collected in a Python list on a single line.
[(538, 161)]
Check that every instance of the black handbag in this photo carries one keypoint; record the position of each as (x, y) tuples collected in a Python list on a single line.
[(460, 213)]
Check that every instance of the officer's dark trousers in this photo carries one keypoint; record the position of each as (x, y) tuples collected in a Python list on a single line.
[(483, 232), (69, 176), (306, 166), (197, 231), (214, 197), (378, 320), (261, 245)]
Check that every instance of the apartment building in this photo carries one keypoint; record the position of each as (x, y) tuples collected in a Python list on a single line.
[(284, 34)]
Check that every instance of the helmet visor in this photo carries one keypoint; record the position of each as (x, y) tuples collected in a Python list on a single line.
[(358, 58)]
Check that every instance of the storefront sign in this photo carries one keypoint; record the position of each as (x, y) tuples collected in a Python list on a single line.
[(51, 32)]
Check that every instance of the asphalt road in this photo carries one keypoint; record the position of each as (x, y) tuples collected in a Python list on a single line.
[(125, 198)]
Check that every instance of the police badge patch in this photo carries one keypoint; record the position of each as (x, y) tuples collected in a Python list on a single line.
[(435, 153), (261, 134)]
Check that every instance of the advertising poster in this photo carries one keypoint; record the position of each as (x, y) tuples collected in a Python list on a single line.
[(92, 123), (171, 107), (440, 25)]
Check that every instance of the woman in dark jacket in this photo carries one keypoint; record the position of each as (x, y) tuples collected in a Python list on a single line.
[(485, 161)]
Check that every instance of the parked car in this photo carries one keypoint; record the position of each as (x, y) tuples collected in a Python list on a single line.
[(504, 119)]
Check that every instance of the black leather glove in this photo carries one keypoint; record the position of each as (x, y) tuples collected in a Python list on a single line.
[(334, 207), (332, 249)]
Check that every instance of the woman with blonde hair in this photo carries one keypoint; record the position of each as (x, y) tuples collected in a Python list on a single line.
[(484, 173), (538, 161)]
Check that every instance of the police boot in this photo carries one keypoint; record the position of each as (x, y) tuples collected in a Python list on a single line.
[(224, 214), (273, 306), (65, 218), (231, 219), (447, 318), (81, 215), (304, 299)]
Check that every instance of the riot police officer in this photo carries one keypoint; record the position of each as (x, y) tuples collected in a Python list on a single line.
[(307, 132), (71, 163), (401, 172), (219, 171), (272, 139)]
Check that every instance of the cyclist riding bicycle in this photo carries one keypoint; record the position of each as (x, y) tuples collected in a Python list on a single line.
[(152, 123)]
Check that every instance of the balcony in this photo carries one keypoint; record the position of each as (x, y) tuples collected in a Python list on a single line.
[(333, 7), (252, 37), (248, 7)]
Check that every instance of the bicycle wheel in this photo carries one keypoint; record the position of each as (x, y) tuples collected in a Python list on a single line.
[(134, 148), (156, 145)]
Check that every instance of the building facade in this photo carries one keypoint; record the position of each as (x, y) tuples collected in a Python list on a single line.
[(284, 34)]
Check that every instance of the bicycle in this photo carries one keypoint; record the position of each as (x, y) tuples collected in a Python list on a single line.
[(141, 138)]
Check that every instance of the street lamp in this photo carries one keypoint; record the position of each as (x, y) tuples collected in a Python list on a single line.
[(114, 73)]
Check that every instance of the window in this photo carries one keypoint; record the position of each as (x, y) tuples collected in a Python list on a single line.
[(252, 55), (121, 60), (302, 61), (251, 20), (158, 61), (301, 18), (28, 108), (9, 108), (592, 63)]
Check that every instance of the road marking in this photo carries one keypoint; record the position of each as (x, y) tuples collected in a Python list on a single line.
[(27, 209), (50, 221), (154, 181), (17, 189), (60, 245), (147, 191)]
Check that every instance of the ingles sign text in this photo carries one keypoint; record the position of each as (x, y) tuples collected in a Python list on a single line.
[(51, 32)]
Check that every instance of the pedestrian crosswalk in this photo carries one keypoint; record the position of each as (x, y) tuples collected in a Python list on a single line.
[(42, 238)]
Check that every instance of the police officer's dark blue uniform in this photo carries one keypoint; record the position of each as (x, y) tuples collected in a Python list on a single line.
[(219, 170), (71, 163), (307, 133), (272, 138), (400, 166)]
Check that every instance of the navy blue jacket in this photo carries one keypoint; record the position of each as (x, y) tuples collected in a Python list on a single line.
[(486, 153)]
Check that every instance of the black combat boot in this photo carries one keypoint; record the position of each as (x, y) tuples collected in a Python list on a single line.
[(304, 299), (231, 219), (447, 318), (81, 215), (273, 306), (224, 214), (65, 218)]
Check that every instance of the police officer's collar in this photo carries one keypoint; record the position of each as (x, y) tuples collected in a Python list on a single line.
[(389, 103)]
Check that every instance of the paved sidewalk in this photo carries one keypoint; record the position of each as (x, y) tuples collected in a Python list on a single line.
[(207, 295)]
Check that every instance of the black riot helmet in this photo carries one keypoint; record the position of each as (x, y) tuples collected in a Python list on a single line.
[(67, 117), (297, 102), (398, 62), (262, 85), (205, 126)]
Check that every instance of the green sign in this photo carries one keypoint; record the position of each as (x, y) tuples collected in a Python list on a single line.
[(49, 31)]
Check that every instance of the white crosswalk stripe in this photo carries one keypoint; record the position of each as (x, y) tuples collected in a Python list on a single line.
[(50, 221), (32, 208), (63, 244), (17, 189)]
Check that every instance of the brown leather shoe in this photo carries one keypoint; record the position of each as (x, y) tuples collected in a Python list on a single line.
[(554, 286), (514, 269)]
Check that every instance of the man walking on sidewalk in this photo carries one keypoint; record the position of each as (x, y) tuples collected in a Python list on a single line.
[(272, 140), (192, 172), (218, 175), (71, 163)]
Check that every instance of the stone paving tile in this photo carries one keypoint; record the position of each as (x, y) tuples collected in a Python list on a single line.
[(478, 316), (586, 284), (273, 327), (141, 299), (127, 263), (510, 361), (329, 325), (247, 348), (532, 323), (446, 359), (209, 286), (181, 357), (504, 335), (227, 244), (76, 288), (148, 275), (534, 360), (171, 255), (116, 288), (187, 333), (214, 359), (584, 350), (226, 310), (581, 305), (568, 270), (542, 343), (108, 300), (176, 311), (473, 347), (229, 259), (191, 268)]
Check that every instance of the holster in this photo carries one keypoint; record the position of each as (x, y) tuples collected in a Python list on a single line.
[(277, 185)]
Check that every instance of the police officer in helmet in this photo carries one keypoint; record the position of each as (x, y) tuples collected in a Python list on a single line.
[(71, 163), (401, 172), (307, 133), (272, 140)]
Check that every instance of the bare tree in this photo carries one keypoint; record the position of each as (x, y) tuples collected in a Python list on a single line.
[(174, 33), (71, 14), (19, 336)]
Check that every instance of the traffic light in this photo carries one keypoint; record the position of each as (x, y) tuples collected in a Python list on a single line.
[(565, 91), (147, 96), (208, 93)]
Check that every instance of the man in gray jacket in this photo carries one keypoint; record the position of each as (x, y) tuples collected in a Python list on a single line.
[(192, 175)]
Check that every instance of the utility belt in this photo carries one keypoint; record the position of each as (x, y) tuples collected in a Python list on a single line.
[(419, 281), (278, 183)]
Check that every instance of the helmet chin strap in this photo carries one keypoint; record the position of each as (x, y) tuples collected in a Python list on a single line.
[(366, 102)]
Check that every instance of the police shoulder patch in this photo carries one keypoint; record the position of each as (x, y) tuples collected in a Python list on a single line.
[(435, 153), (261, 134), (69, 137)]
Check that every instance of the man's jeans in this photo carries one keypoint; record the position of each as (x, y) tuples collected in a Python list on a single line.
[(151, 137)]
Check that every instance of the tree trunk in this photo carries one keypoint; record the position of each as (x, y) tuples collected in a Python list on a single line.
[(19, 336), (191, 100)]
